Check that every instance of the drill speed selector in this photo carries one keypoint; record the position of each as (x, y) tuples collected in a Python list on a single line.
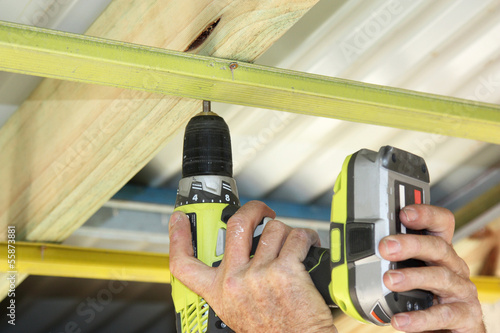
[(207, 189)]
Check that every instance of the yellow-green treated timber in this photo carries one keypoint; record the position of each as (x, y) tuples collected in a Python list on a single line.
[(48, 53)]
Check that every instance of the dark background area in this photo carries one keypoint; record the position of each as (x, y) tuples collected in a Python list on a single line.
[(74, 305)]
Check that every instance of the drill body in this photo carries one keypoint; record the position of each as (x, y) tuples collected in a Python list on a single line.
[(207, 194), (208, 201), (369, 193)]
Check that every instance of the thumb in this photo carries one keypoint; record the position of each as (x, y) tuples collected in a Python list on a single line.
[(193, 273)]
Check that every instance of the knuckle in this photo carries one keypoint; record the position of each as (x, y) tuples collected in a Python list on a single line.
[(411, 245), (477, 312), (236, 225), (449, 218), (448, 256), (278, 229), (446, 314), (444, 215), (441, 249), (471, 289), (179, 270), (464, 290), (236, 219), (426, 212), (442, 246), (276, 226), (445, 275), (174, 236), (299, 235), (418, 244), (255, 275), (278, 274), (174, 266), (444, 281), (258, 205), (231, 286), (465, 268), (471, 316)]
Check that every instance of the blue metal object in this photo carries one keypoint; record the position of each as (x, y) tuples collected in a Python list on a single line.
[(166, 196)]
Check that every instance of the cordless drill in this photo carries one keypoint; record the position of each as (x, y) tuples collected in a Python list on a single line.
[(207, 194), (369, 193)]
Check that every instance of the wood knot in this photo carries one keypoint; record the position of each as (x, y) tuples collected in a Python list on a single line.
[(203, 36)]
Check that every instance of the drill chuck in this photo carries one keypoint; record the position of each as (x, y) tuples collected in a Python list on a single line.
[(207, 147)]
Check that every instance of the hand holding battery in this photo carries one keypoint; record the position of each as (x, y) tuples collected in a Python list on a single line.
[(446, 275)]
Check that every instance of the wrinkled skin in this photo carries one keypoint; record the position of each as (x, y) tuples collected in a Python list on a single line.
[(457, 307), (272, 292)]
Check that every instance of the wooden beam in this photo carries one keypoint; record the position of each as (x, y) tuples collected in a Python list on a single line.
[(71, 146), (93, 60)]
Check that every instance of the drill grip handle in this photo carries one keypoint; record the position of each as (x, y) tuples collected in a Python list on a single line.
[(317, 263)]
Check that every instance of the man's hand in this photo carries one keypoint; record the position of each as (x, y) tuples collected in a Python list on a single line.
[(271, 292), (456, 308)]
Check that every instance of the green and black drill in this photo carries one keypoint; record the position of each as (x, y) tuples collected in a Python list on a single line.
[(208, 195), (369, 193)]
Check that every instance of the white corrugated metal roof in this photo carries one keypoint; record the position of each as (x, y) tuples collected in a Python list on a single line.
[(443, 47)]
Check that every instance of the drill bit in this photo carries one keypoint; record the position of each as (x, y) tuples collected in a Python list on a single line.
[(207, 107)]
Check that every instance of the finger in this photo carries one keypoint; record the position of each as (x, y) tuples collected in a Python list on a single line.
[(298, 243), (439, 280), (431, 249), (271, 241), (183, 265), (240, 229), (438, 221), (456, 317)]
